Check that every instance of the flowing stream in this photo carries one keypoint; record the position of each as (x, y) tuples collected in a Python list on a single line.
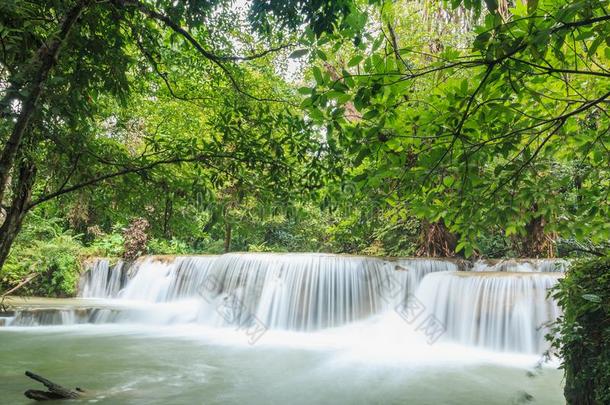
[(292, 328)]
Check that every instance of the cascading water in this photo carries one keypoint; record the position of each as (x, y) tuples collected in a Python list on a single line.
[(284, 291), (522, 265), (101, 280), (502, 311), (326, 328), (499, 311)]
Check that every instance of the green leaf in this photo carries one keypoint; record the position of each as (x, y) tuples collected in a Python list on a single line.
[(355, 60), (317, 74), (532, 6), (305, 90), (298, 53), (492, 5), (510, 230), (370, 114), (592, 297), (596, 43)]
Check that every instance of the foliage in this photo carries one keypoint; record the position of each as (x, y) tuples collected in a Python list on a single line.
[(46, 249), (582, 248), (168, 247), (107, 245), (510, 132), (495, 245), (582, 334), (417, 128), (94, 93)]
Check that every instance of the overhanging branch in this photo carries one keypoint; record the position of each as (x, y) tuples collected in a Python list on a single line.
[(122, 172), (217, 60)]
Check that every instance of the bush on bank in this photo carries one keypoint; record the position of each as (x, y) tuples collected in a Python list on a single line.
[(46, 250), (582, 334)]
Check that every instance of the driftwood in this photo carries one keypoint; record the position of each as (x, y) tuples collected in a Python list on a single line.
[(55, 391), (21, 284), (18, 286)]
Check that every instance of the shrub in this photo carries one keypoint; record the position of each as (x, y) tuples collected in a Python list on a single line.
[(43, 247), (111, 245), (582, 334), (168, 247), (261, 248)]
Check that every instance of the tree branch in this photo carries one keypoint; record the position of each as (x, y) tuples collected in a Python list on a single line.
[(458, 130), (45, 60), (217, 60), (117, 173)]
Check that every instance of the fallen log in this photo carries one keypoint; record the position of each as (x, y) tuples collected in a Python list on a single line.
[(38, 395), (18, 286), (55, 391), (21, 284)]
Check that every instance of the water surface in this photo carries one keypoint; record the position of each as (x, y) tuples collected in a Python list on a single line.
[(119, 364)]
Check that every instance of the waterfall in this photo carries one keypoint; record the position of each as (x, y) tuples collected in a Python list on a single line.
[(522, 265), (498, 305), (499, 311), (101, 280), (284, 291)]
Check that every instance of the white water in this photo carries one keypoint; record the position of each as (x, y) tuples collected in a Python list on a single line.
[(522, 265), (351, 299), (282, 291), (102, 280), (499, 311)]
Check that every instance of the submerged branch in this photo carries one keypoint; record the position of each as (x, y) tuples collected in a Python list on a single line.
[(55, 391)]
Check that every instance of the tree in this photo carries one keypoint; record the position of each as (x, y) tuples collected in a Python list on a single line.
[(65, 62), (512, 133)]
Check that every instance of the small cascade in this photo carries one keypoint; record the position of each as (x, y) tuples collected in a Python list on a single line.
[(417, 269), (522, 265), (306, 292), (496, 310), (49, 316), (101, 280), (63, 316), (163, 280)]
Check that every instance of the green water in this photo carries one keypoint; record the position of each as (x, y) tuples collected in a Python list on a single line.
[(123, 366)]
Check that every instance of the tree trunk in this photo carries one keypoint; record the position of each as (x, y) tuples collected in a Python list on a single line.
[(20, 206), (436, 240), (46, 59), (536, 243)]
